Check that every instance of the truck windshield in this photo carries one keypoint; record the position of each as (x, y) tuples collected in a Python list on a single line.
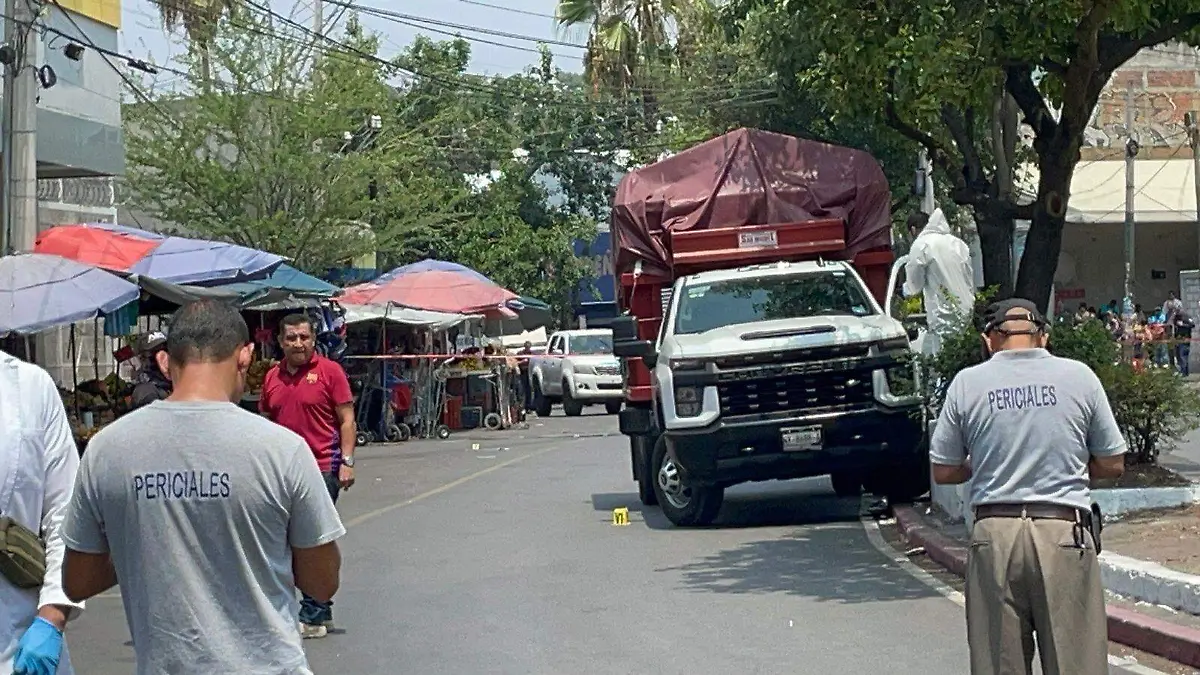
[(591, 344), (704, 307)]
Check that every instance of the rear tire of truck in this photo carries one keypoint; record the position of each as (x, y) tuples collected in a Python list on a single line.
[(541, 405), (684, 505), (571, 407), (612, 407), (846, 483)]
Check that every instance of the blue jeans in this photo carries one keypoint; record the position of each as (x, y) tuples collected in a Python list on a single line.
[(313, 611), (1182, 351)]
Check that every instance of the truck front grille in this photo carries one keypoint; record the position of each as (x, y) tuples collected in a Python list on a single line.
[(608, 370), (796, 392)]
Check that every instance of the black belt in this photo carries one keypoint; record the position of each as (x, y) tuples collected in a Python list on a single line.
[(1034, 510)]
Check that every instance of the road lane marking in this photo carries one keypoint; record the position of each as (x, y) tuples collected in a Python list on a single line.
[(364, 517), (871, 527)]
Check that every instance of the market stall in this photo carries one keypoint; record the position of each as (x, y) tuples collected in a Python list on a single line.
[(39, 292), (397, 393), (456, 392)]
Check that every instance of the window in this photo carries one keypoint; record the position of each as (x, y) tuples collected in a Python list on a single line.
[(704, 307), (591, 344)]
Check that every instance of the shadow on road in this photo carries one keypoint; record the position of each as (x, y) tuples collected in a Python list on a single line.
[(745, 510), (828, 563), (827, 557)]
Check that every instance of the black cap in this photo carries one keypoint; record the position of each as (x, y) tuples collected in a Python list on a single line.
[(153, 340), (997, 313)]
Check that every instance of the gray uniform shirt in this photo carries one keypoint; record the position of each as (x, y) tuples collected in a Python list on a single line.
[(1030, 422), (198, 505)]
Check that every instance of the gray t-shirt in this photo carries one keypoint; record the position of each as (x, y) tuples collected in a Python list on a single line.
[(1030, 422), (198, 505)]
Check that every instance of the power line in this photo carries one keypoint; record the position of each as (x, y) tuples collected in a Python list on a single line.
[(376, 11), (509, 9)]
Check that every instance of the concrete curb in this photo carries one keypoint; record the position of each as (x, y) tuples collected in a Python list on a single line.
[(1150, 582), (1161, 638)]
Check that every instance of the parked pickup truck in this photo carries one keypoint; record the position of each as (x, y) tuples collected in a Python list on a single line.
[(579, 369), (752, 273)]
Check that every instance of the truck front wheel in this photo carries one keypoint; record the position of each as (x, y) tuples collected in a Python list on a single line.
[(572, 407), (684, 505)]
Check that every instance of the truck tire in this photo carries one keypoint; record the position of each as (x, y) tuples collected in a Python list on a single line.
[(541, 405), (846, 483), (571, 407), (683, 505), (641, 449), (612, 407)]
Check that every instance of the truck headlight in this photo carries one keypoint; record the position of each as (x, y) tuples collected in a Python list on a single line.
[(584, 369), (688, 401)]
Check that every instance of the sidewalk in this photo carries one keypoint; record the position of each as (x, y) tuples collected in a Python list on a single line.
[(1156, 631), (1185, 458)]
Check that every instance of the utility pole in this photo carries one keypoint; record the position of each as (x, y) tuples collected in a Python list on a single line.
[(318, 20), (1193, 127), (19, 162), (1131, 151)]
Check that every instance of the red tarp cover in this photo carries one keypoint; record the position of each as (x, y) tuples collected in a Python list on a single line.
[(749, 177)]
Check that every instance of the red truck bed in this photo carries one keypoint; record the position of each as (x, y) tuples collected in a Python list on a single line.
[(744, 198)]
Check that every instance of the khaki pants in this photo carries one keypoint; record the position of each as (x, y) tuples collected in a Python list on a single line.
[(1027, 577)]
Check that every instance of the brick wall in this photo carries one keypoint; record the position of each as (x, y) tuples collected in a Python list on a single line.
[(1166, 85)]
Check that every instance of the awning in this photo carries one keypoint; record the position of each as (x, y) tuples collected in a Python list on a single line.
[(405, 316), (1164, 191)]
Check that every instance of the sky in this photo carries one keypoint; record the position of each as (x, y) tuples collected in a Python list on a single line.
[(143, 36)]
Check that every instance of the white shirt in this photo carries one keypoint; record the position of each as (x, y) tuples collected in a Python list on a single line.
[(38, 462)]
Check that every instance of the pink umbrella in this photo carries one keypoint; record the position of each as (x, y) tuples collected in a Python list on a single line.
[(460, 291)]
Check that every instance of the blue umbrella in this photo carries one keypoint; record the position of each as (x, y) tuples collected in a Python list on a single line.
[(287, 278), (39, 291), (180, 260)]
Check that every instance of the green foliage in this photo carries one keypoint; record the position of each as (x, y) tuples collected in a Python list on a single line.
[(1154, 407), (278, 154)]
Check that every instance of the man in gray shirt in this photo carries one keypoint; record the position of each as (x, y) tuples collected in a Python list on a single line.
[(1027, 430), (209, 516)]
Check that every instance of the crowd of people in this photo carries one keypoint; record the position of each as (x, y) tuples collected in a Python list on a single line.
[(1161, 338)]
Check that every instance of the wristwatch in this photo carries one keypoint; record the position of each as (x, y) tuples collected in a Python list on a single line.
[(348, 461)]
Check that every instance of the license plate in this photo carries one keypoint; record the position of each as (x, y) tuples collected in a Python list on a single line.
[(800, 439), (757, 239)]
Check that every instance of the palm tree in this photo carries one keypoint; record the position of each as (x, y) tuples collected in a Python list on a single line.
[(626, 38), (199, 20)]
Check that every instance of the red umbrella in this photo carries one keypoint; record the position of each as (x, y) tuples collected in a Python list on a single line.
[(93, 246), (434, 290)]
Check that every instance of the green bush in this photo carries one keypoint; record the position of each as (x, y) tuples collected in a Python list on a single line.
[(1154, 407)]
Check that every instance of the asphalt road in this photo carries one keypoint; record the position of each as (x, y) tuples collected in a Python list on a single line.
[(494, 552)]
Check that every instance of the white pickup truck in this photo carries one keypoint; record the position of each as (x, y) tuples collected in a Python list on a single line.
[(578, 369)]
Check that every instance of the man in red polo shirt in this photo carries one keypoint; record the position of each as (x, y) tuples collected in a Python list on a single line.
[(310, 395)]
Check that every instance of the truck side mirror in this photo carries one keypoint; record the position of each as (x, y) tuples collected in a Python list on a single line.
[(651, 360), (633, 349), (624, 328)]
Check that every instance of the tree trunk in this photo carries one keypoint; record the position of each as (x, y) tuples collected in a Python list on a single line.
[(1044, 241), (995, 243)]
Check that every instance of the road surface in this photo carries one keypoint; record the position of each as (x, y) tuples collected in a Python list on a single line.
[(495, 552)]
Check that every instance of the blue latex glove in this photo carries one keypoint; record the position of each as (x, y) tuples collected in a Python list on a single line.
[(38, 650)]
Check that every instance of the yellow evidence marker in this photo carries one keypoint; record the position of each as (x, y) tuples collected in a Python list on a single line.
[(621, 516)]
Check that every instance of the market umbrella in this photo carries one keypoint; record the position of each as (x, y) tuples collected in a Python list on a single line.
[(434, 285), (39, 291), (178, 260)]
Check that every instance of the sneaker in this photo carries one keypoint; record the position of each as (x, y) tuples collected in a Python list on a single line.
[(310, 631)]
